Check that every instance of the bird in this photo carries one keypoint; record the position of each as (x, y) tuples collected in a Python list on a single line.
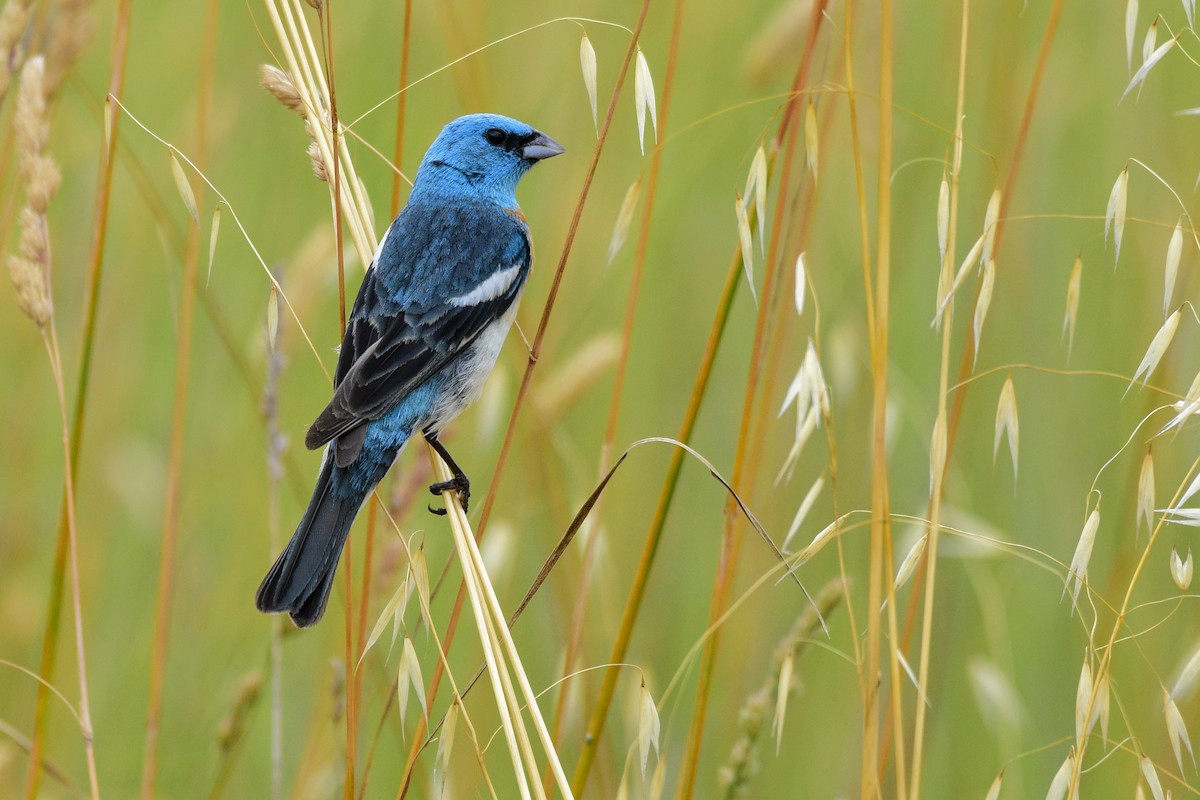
[(422, 337)]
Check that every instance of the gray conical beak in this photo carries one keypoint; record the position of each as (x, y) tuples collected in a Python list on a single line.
[(541, 147)]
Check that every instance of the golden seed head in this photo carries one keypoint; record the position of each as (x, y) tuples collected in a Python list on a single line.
[(281, 86)]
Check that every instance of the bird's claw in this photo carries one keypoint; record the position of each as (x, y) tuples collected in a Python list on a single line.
[(458, 483)]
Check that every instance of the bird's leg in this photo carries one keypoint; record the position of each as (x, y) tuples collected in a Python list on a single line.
[(459, 483)]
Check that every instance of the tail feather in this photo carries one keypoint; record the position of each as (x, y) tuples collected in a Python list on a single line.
[(300, 580)]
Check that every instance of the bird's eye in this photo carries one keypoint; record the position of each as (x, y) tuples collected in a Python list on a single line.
[(494, 136)]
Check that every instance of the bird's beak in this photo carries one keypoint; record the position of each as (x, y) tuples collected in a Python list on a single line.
[(542, 146)]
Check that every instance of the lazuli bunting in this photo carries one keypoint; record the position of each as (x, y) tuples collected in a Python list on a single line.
[(430, 317)]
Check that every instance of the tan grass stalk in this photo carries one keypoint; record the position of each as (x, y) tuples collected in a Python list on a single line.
[(639, 262), (120, 49), (30, 270), (947, 220), (743, 470)]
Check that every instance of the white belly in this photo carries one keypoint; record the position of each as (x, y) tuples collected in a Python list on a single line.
[(464, 378)]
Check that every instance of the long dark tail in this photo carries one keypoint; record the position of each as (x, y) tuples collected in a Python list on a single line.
[(300, 580)]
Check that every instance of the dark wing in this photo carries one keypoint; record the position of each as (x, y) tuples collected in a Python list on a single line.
[(412, 318)]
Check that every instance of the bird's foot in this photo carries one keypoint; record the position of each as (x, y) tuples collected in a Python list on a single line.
[(460, 484)]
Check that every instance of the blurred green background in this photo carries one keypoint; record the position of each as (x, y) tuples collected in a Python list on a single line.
[(998, 614)]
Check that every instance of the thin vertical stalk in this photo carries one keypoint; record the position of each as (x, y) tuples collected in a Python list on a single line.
[(116, 84), (731, 537), (401, 106), (649, 549), (939, 475), (610, 430), (50, 337), (183, 361)]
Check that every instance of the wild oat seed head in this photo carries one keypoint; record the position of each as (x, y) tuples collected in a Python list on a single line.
[(801, 284), (1157, 349), (1149, 63), (1151, 775), (1145, 493), (587, 62), (982, 303), (1084, 719), (624, 220), (1062, 779), (1103, 703), (1181, 569), (1177, 731), (1151, 41), (991, 223), (1114, 214), (1171, 270), (1083, 555), (993, 792), (1072, 312), (1007, 422), (648, 726), (1186, 681), (745, 238)]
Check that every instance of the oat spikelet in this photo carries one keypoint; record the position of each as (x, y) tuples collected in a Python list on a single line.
[(1181, 570), (1151, 41), (643, 99), (1145, 492), (1006, 422), (781, 696), (30, 267), (213, 230), (1083, 698), (648, 726), (280, 85), (745, 237), (1156, 350), (1171, 270), (587, 63), (273, 324), (1131, 13), (1177, 731), (1103, 704), (801, 284), (983, 303), (991, 223), (1072, 312), (756, 185), (184, 187), (811, 142), (910, 562), (1062, 779), (624, 220), (1140, 76), (937, 450), (409, 677), (993, 793), (1187, 677), (945, 293), (1083, 554), (1114, 215), (1151, 776), (446, 741), (1189, 11), (805, 506)]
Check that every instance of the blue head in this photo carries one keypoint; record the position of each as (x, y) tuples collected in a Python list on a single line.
[(481, 156)]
